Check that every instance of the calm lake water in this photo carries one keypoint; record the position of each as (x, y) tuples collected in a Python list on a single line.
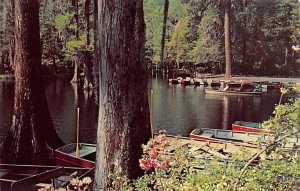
[(177, 109)]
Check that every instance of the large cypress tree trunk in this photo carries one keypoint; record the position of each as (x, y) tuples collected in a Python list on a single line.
[(32, 131), (227, 38), (124, 123), (163, 36)]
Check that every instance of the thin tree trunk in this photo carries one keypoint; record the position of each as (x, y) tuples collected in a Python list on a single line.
[(227, 38), (75, 78), (54, 65), (87, 67), (96, 55), (12, 53), (32, 131), (8, 21), (286, 60), (244, 65), (1, 63), (124, 123), (163, 36)]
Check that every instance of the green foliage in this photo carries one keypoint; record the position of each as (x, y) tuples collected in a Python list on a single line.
[(178, 47), (286, 119), (263, 33), (63, 36), (63, 21), (153, 10), (209, 46)]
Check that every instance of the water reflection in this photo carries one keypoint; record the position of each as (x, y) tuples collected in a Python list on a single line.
[(63, 99), (177, 109), (225, 122)]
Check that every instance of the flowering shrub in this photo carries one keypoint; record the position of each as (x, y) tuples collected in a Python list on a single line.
[(164, 170), (75, 185), (80, 185), (155, 154)]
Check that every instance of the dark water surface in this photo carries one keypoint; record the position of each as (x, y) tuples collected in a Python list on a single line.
[(177, 109)]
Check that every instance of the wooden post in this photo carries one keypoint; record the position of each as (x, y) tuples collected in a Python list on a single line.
[(77, 138), (151, 111)]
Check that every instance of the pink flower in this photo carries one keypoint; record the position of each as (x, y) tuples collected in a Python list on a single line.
[(157, 165), (144, 165), (87, 180), (153, 153), (164, 164)]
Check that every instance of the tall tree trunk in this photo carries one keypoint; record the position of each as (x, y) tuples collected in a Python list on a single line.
[(75, 78), (243, 67), (32, 131), (123, 124), (87, 67), (1, 63), (96, 55), (227, 38), (76, 74), (163, 36), (286, 55)]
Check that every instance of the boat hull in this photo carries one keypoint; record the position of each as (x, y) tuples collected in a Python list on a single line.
[(219, 135), (64, 158), (249, 127), (232, 93)]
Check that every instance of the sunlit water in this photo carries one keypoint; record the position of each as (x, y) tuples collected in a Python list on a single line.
[(177, 109)]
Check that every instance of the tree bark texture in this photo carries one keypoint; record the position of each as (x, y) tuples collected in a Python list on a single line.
[(124, 123), (163, 36), (227, 38), (32, 131)]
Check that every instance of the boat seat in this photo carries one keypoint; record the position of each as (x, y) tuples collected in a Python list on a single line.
[(207, 135)]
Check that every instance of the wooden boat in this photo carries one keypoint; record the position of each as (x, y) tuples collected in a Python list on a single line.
[(245, 126), (174, 81), (219, 135), (232, 93), (185, 81), (66, 155), (16, 177)]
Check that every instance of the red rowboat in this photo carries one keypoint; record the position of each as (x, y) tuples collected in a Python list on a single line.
[(66, 155), (244, 126)]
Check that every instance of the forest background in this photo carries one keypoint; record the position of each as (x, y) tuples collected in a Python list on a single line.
[(263, 34)]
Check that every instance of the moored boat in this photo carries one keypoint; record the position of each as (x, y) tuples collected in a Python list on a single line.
[(16, 177), (219, 135), (66, 155), (174, 81), (232, 93), (245, 126)]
